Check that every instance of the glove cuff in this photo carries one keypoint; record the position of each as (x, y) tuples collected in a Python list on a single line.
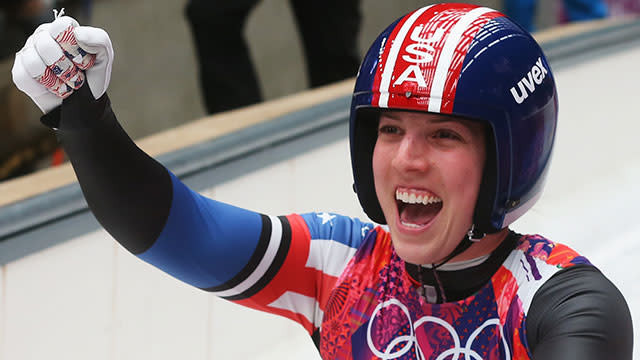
[(79, 110), (52, 118)]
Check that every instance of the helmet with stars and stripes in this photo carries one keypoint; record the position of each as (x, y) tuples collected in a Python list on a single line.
[(472, 62)]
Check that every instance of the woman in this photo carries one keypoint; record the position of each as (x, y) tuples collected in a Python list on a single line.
[(452, 123)]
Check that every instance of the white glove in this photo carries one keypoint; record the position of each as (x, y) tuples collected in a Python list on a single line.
[(57, 59)]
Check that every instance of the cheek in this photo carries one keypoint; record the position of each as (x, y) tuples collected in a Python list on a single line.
[(472, 176), (381, 159), (375, 160), (379, 165), (382, 178), (465, 176)]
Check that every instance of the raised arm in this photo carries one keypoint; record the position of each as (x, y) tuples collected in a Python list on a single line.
[(265, 262), (65, 68)]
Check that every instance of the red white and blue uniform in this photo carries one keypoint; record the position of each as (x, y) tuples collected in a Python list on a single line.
[(341, 277)]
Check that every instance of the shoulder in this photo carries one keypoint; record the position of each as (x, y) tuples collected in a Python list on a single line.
[(532, 262), (549, 252), (346, 230), (579, 313), (572, 311)]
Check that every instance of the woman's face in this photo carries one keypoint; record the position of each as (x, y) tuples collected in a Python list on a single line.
[(427, 170)]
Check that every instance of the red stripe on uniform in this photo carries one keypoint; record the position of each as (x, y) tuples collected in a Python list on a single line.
[(505, 288), (295, 277)]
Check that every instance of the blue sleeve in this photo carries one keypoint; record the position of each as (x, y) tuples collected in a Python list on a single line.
[(204, 242)]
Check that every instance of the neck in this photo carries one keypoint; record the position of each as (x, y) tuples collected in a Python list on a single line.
[(483, 247), (459, 265), (465, 274)]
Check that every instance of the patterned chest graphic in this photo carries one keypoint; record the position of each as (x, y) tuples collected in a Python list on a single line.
[(383, 317)]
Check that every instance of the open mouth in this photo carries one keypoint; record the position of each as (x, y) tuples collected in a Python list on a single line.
[(417, 209)]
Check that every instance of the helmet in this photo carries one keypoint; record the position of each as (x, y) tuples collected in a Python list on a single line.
[(467, 61)]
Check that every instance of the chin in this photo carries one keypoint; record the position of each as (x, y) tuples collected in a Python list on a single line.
[(415, 253), (424, 249)]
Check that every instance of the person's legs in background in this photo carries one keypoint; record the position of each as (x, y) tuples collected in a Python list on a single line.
[(329, 31), (227, 76)]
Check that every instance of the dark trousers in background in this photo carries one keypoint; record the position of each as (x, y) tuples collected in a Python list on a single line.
[(329, 31)]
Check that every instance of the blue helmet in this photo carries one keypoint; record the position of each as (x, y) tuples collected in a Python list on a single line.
[(467, 61)]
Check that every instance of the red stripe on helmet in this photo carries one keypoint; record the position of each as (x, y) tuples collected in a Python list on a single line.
[(385, 51), (409, 59), (410, 76), (460, 53)]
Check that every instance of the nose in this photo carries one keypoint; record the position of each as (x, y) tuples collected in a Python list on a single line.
[(412, 155)]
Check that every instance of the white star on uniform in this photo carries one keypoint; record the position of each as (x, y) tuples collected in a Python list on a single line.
[(365, 229), (326, 217)]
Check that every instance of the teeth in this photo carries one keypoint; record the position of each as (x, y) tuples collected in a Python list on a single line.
[(416, 199), (415, 226)]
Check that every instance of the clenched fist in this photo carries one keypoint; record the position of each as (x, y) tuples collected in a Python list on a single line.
[(58, 58)]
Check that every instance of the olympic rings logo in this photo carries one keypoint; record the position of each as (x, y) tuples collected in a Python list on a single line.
[(410, 340)]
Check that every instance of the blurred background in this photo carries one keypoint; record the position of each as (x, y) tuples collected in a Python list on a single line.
[(155, 84)]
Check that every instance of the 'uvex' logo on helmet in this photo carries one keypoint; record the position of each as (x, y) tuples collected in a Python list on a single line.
[(527, 84), (418, 52)]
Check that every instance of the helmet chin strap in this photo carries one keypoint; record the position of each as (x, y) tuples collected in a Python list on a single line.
[(473, 236)]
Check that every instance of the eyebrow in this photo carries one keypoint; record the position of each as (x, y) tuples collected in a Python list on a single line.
[(438, 118), (470, 125), (447, 120)]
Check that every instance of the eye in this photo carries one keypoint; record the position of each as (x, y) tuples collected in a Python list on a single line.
[(388, 129), (447, 134)]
